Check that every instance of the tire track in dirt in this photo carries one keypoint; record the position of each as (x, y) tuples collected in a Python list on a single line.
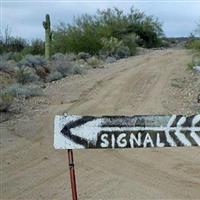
[(137, 85)]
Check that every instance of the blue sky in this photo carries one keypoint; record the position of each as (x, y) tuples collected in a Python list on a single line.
[(25, 18)]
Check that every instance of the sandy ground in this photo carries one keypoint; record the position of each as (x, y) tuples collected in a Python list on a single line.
[(155, 83)]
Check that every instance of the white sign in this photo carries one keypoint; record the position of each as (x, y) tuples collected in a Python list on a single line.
[(80, 132)]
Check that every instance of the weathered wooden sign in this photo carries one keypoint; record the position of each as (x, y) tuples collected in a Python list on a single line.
[(78, 132)]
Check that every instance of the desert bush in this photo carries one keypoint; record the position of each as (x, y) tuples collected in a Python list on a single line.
[(195, 61), (61, 56), (9, 43), (21, 75), (4, 65), (36, 47), (81, 37), (33, 61), (194, 44), (15, 56), (42, 71), (76, 69), (131, 41), (7, 56), (87, 31), (93, 61), (15, 44), (83, 55), (7, 65), (110, 46), (26, 75), (122, 52), (2, 48), (19, 90), (114, 48), (190, 65), (110, 59), (57, 56), (165, 43), (70, 57), (6, 100), (60, 41), (53, 76), (62, 66), (36, 62)]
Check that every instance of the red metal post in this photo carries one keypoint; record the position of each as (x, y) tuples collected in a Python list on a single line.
[(72, 174)]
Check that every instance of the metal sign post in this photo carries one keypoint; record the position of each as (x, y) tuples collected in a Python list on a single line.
[(72, 174)]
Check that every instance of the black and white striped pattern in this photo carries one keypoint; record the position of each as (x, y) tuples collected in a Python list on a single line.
[(77, 132)]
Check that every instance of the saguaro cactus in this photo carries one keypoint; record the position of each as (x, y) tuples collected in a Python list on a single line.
[(48, 36)]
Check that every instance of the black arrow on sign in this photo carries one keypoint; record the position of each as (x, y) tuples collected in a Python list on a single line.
[(77, 139)]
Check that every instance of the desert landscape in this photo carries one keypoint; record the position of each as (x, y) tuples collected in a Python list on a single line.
[(155, 83)]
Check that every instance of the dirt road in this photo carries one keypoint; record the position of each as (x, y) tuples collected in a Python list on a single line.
[(155, 83)]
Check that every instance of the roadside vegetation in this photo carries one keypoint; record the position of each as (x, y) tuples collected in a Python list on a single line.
[(194, 45), (88, 42)]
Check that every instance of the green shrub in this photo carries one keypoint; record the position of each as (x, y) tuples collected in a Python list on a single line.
[(19, 45), (6, 65), (36, 47), (194, 44), (6, 100), (110, 59), (61, 56), (57, 56), (131, 41), (19, 90), (190, 65), (53, 76), (7, 56), (15, 44), (76, 69), (26, 75), (93, 61), (87, 31), (83, 55), (123, 52), (62, 66), (114, 48), (70, 57), (21, 75), (195, 61), (33, 61), (110, 46), (166, 43)]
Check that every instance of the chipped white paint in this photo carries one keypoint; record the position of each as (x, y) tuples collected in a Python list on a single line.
[(169, 124), (60, 142), (193, 134), (88, 130)]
